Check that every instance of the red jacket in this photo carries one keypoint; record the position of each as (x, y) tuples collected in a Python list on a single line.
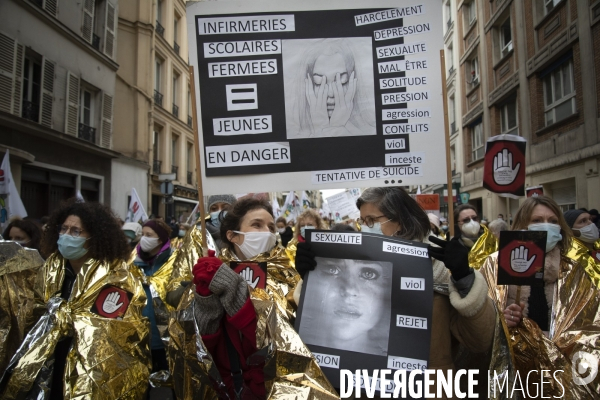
[(242, 332)]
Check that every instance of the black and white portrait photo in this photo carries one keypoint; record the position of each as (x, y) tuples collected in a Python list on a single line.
[(347, 305), (328, 85)]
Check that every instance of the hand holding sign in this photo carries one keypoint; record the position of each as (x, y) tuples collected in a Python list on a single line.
[(518, 259), (317, 101), (344, 102), (504, 173), (248, 275), (111, 303)]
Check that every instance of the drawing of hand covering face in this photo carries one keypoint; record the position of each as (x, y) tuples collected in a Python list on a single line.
[(356, 296), (330, 69)]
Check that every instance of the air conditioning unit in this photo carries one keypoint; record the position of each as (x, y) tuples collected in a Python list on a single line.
[(507, 49)]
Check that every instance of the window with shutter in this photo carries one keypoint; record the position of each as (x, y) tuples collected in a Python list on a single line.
[(47, 97), (72, 104), (109, 31), (51, 6), (7, 72), (87, 28), (107, 120), (18, 91)]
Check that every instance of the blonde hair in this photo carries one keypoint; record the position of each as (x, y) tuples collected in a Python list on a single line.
[(523, 219), (310, 213)]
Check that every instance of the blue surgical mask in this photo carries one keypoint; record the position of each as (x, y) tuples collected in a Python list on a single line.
[(214, 218), (181, 233), (553, 236), (304, 228), (375, 229), (71, 247)]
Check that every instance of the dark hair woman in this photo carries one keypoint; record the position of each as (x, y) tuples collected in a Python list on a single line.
[(226, 316), (24, 232), (467, 313), (94, 307)]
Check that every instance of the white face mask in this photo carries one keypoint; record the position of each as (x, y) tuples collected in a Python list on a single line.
[(304, 228), (589, 233), (256, 243), (148, 243), (553, 236), (471, 229), (281, 230)]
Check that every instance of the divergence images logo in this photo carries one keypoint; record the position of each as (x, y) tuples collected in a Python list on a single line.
[(584, 362)]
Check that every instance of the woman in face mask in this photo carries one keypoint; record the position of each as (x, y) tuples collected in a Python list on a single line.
[(552, 323), (465, 312), (153, 251), (467, 222), (585, 232), (285, 232), (217, 207), (309, 219), (92, 299), (225, 315), (24, 232)]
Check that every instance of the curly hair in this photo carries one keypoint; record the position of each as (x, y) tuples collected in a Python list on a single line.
[(309, 213), (107, 240), (30, 228), (232, 221)]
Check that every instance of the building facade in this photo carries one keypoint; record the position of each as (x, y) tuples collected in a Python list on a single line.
[(528, 69), (57, 91), (153, 116)]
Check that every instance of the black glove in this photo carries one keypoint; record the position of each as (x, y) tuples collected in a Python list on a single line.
[(305, 259), (453, 254)]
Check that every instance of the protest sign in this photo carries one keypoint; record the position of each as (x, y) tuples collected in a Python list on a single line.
[(342, 204), (255, 273), (368, 303), (430, 203), (504, 166), (303, 88), (535, 191), (521, 258)]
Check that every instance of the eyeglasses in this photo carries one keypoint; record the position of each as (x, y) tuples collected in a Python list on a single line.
[(370, 221), (469, 219), (75, 232)]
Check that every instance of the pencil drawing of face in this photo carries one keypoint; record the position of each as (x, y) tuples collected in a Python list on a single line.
[(325, 97)]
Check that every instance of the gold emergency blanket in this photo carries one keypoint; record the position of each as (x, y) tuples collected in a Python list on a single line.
[(574, 328), (483, 247), (291, 371), (20, 304), (109, 357)]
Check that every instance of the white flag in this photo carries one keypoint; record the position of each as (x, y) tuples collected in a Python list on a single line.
[(193, 217), (276, 208), (136, 210), (304, 203), (10, 202), (79, 197), (289, 207)]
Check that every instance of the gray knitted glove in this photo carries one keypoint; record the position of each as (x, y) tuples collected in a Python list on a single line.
[(208, 312), (231, 288)]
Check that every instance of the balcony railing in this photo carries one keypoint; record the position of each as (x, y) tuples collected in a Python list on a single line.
[(190, 175), (158, 97), (96, 42), (160, 29), (190, 122), (30, 111), (451, 70), (176, 110), (87, 133), (449, 23), (176, 47), (156, 166), (452, 127), (174, 169)]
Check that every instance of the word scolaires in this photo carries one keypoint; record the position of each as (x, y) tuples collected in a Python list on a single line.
[(242, 48)]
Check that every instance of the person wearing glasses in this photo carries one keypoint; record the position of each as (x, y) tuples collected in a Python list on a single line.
[(92, 342), (466, 225), (463, 313)]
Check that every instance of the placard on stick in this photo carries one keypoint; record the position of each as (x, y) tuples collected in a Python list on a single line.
[(368, 304), (521, 258), (255, 273)]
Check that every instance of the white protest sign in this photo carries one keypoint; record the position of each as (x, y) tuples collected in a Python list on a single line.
[(342, 204), (290, 94)]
